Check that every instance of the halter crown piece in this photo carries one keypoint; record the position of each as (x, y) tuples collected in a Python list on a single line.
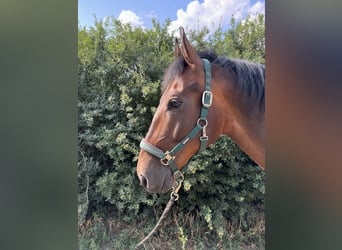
[(168, 158)]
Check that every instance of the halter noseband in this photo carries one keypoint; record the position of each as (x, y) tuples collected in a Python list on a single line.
[(168, 158)]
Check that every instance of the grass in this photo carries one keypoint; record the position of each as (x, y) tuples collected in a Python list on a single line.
[(179, 231)]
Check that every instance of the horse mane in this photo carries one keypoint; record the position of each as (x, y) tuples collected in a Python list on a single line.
[(249, 76)]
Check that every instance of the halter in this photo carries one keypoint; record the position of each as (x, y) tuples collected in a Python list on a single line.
[(168, 158)]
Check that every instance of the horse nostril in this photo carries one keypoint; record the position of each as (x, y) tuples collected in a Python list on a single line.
[(143, 181)]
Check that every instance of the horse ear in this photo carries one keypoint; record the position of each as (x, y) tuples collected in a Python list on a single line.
[(189, 53), (177, 49)]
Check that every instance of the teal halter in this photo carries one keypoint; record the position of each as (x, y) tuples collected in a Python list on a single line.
[(168, 158)]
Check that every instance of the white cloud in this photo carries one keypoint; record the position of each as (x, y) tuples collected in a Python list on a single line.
[(257, 8), (128, 16), (212, 13)]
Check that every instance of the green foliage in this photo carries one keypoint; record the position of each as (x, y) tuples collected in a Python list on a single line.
[(224, 185), (245, 40), (120, 71), (119, 74)]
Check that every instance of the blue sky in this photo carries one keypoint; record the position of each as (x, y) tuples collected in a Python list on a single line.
[(188, 13)]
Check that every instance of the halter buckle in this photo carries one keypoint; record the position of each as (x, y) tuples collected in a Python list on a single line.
[(205, 101), (167, 159)]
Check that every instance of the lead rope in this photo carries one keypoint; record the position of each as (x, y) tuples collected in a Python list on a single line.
[(179, 177)]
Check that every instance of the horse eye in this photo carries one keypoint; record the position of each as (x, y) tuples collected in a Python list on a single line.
[(174, 103)]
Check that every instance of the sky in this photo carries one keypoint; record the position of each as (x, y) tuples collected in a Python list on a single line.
[(191, 14)]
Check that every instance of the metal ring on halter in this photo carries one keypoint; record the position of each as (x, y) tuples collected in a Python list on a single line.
[(205, 122), (178, 175)]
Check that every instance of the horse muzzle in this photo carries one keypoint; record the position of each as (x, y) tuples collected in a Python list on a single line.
[(153, 176), (153, 186)]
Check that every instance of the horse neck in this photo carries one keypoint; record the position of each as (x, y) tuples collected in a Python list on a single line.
[(248, 133), (243, 122)]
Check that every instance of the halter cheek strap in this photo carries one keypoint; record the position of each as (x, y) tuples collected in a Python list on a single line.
[(168, 158)]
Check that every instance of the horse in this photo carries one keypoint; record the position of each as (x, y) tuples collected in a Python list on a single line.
[(203, 97)]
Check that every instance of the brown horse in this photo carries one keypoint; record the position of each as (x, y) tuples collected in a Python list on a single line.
[(203, 96)]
